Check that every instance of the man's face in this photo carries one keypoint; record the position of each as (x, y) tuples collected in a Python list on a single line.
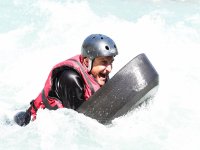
[(102, 66)]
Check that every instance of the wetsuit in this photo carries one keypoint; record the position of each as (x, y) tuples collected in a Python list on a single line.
[(68, 87)]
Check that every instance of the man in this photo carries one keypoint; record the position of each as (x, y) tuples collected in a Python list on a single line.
[(74, 80)]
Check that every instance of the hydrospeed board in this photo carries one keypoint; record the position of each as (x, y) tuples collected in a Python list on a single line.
[(132, 85)]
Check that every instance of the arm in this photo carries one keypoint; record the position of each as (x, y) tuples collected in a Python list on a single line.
[(68, 87)]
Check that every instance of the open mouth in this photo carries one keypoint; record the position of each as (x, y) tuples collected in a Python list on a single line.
[(101, 75)]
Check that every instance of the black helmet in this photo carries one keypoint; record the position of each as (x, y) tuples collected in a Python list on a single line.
[(98, 45)]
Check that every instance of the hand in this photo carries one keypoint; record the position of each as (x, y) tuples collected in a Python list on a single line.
[(22, 118)]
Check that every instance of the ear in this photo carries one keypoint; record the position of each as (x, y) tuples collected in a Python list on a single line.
[(86, 61)]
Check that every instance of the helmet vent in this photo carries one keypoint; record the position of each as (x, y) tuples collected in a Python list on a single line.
[(102, 38), (107, 48)]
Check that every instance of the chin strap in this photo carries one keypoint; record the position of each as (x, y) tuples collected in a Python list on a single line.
[(90, 64)]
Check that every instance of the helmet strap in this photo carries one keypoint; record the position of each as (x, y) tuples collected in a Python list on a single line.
[(90, 64)]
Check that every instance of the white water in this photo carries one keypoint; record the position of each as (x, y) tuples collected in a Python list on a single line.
[(35, 35)]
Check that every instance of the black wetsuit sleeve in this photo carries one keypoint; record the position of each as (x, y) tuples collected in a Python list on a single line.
[(68, 87)]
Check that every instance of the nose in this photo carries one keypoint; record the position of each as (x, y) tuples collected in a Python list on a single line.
[(109, 68)]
